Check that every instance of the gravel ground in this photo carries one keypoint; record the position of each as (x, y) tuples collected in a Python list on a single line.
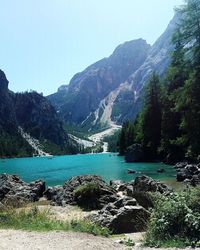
[(21, 240)]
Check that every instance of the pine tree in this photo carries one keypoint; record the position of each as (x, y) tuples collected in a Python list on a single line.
[(190, 29), (189, 101), (151, 118)]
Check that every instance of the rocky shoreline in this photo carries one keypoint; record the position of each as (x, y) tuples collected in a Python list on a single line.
[(188, 173), (121, 207)]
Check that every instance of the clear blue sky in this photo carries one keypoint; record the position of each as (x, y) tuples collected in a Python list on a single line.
[(45, 42)]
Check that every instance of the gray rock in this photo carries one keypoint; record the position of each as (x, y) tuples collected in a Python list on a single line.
[(180, 165), (147, 184), (122, 216), (189, 173), (13, 191), (67, 193), (116, 184)]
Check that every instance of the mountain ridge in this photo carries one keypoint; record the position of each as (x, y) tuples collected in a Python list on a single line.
[(33, 114), (110, 90), (88, 88)]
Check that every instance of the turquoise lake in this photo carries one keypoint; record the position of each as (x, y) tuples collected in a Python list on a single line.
[(57, 170)]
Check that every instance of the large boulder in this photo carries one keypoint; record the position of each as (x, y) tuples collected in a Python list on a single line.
[(14, 191), (123, 216), (189, 173), (88, 191), (145, 184), (135, 153), (142, 189)]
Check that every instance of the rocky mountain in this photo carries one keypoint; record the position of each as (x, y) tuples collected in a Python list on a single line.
[(79, 101), (7, 114), (109, 91), (32, 115)]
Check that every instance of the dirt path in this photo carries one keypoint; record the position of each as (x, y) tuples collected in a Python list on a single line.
[(21, 240)]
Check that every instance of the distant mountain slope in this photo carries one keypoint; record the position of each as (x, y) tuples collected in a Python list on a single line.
[(87, 89), (110, 90), (36, 116), (158, 60)]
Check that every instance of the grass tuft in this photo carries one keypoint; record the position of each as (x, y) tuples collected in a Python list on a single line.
[(35, 220)]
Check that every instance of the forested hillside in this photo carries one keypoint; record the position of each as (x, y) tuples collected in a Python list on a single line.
[(33, 114), (168, 126)]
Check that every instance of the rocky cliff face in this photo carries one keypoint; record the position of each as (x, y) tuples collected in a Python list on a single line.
[(7, 114), (87, 89), (110, 90), (158, 60), (36, 116)]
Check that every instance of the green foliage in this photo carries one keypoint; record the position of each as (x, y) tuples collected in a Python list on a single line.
[(113, 141), (13, 145), (126, 137), (151, 118), (36, 220), (128, 242), (175, 220), (87, 195), (168, 126), (88, 190), (146, 129)]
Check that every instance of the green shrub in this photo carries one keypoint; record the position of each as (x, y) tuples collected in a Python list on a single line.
[(88, 195), (129, 242), (175, 220)]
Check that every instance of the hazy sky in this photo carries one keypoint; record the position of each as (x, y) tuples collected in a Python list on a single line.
[(43, 43)]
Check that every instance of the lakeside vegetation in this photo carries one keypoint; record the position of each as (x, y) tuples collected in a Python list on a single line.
[(36, 220), (167, 129), (168, 126), (175, 220)]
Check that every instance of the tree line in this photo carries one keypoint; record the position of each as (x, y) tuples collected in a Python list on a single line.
[(168, 127)]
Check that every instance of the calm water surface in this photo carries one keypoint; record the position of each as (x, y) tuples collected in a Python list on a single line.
[(57, 170)]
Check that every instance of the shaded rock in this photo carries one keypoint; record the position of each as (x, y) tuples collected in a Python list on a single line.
[(51, 192), (135, 153), (14, 192), (123, 216), (189, 173), (144, 199), (129, 219), (147, 184), (80, 190), (180, 165), (116, 183), (181, 176)]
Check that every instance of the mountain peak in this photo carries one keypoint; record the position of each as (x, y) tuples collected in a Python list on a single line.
[(129, 45), (3, 81)]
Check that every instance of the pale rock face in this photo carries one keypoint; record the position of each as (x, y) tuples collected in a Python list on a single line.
[(112, 87)]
